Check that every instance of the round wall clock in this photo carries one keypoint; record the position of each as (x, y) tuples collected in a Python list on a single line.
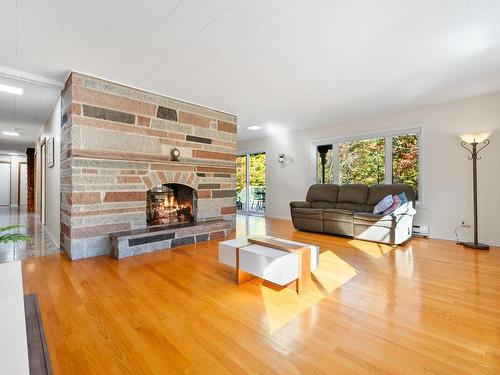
[(175, 153)]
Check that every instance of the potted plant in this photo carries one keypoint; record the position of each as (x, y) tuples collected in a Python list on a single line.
[(7, 234)]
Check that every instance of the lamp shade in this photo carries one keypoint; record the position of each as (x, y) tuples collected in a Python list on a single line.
[(476, 137)]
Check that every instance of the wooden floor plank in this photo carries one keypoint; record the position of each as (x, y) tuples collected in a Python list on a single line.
[(427, 307)]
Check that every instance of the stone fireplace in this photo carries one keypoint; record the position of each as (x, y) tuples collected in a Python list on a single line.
[(171, 205), (121, 194)]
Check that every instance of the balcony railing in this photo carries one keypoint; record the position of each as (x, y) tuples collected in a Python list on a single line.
[(256, 199)]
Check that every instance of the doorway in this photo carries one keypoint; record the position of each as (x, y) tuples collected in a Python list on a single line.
[(22, 180), (5, 185), (43, 151), (251, 183)]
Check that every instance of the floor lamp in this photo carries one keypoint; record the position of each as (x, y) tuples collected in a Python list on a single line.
[(471, 142)]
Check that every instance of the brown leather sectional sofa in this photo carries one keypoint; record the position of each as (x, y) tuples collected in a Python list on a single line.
[(347, 210)]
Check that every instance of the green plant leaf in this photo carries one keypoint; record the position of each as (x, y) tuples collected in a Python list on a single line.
[(13, 237)]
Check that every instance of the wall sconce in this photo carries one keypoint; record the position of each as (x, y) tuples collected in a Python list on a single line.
[(284, 160)]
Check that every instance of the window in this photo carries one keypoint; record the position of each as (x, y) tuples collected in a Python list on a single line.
[(405, 160), (370, 160), (362, 162)]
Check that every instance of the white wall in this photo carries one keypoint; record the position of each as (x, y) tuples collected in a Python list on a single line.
[(447, 172), (51, 128), (14, 161)]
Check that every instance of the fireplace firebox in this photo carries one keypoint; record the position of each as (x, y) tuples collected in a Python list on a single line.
[(171, 205)]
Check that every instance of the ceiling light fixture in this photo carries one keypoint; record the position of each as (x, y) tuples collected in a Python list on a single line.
[(254, 127), (11, 89), (14, 134)]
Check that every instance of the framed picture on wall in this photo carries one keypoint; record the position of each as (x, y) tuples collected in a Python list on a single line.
[(50, 152)]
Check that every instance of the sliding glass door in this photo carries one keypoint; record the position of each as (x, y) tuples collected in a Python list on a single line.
[(251, 183), (241, 183)]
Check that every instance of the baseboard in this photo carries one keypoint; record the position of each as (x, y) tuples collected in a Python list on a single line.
[(280, 217), (56, 241), (450, 238)]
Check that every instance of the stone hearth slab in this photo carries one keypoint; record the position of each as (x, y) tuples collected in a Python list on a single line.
[(142, 241)]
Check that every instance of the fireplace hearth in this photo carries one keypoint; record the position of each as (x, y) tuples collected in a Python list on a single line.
[(171, 205)]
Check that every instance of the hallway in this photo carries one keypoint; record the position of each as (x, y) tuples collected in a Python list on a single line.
[(42, 244)]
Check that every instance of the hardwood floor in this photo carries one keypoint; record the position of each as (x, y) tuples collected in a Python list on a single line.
[(430, 307)]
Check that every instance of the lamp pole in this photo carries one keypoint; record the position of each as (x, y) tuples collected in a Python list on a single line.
[(323, 150), (474, 157), (474, 184)]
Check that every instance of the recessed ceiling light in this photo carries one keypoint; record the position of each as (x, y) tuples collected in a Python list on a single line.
[(11, 89), (254, 127), (15, 134)]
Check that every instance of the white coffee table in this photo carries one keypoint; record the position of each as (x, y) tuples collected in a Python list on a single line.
[(276, 260)]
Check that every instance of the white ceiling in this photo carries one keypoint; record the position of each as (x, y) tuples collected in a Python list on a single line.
[(23, 114), (280, 64)]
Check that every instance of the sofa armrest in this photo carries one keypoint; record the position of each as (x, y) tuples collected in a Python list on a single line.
[(300, 204), (405, 209)]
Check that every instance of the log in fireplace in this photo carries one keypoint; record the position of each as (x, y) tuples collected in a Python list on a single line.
[(171, 204)]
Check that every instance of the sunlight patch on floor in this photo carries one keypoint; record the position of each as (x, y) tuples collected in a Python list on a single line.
[(373, 249), (283, 305)]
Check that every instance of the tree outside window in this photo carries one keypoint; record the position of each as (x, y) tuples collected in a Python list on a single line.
[(362, 162), (405, 160)]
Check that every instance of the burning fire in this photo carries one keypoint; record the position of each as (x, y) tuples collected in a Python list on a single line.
[(170, 204), (170, 211)]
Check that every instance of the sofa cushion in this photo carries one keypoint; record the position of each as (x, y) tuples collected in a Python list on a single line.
[(309, 213), (368, 219), (352, 197), (338, 214), (377, 192), (322, 195), (322, 205)]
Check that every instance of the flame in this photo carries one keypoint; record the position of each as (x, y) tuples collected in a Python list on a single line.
[(171, 211), (170, 204)]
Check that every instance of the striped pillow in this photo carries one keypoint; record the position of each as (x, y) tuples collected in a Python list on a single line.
[(384, 204), (396, 202)]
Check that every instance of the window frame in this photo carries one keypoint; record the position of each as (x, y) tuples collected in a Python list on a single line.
[(388, 134)]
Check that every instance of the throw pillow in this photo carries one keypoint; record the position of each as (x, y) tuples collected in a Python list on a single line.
[(384, 204), (403, 198), (395, 204)]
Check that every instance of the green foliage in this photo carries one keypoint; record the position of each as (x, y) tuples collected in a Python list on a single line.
[(405, 160), (362, 162), (7, 234), (257, 171), (240, 172)]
